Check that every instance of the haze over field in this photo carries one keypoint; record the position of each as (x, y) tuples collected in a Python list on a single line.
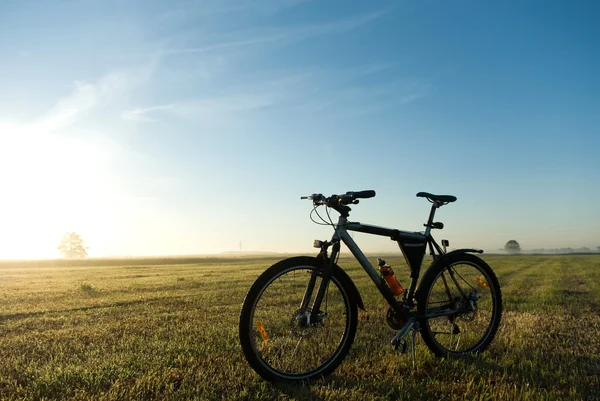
[(185, 127)]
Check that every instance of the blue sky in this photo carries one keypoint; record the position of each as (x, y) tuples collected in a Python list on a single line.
[(185, 127)]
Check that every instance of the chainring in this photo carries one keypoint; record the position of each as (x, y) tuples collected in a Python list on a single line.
[(394, 320)]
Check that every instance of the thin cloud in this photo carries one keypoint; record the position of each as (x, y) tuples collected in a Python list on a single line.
[(87, 95), (225, 45), (201, 108), (84, 97), (285, 35), (329, 91), (363, 99), (144, 114), (416, 90), (194, 9)]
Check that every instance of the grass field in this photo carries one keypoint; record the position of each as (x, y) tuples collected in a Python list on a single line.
[(167, 329)]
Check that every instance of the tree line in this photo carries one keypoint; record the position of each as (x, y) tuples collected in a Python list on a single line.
[(512, 246), (73, 246)]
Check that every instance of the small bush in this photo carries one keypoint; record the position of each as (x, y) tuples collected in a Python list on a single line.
[(88, 289)]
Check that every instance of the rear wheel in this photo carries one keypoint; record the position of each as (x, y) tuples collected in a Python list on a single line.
[(463, 299), (278, 338)]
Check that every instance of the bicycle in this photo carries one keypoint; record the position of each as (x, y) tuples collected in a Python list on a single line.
[(299, 318)]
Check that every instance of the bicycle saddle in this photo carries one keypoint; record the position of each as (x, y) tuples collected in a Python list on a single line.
[(436, 198)]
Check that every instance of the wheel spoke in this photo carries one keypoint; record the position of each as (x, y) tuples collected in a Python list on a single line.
[(293, 354), (297, 348), (475, 319)]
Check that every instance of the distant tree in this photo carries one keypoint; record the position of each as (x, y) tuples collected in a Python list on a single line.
[(598, 247), (72, 246), (512, 246)]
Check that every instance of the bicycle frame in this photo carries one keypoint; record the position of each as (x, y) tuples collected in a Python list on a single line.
[(443, 304), (413, 246)]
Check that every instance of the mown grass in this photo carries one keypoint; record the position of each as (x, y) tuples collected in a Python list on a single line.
[(168, 330)]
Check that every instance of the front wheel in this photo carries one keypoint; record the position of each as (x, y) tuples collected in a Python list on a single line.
[(460, 300), (279, 340)]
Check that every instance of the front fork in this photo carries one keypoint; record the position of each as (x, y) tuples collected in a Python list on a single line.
[(327, 262)]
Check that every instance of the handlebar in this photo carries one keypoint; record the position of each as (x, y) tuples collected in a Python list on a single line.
[(362, 194), (339, 202), (347, 198)]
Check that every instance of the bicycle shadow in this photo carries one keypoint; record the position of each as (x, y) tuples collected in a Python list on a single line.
[(542, 381), (534, 375), (299, 391)]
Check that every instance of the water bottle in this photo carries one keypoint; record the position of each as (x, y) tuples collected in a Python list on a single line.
[(389, 277)]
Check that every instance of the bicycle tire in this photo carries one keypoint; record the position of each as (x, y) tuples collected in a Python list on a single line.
[(250, 337), (485, 279)]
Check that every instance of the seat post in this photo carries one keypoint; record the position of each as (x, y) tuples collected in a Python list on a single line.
[(430, 219), (434, 206)]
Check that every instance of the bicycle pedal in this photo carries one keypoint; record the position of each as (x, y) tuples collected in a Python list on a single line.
[(408, 326), (401, 347)]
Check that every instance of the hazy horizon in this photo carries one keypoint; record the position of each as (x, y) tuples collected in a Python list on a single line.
[(345, 253), (185, 127)]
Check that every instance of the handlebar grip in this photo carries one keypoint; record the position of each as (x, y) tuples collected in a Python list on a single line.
[(363, 194)]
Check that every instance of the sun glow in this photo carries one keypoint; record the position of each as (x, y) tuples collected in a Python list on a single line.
[(49, 183)]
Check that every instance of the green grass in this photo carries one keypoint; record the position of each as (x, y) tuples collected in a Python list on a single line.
[(167, 329)]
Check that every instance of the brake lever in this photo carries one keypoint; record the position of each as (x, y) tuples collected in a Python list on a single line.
[(345, 199)]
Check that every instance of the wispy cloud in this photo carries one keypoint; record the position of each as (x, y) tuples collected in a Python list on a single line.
[(85, 96), (200, 108), (232, 44), (283, 35), (320, 91), (417, 89), (195, 8), (145, 114), (317, 89), (361, 100)]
